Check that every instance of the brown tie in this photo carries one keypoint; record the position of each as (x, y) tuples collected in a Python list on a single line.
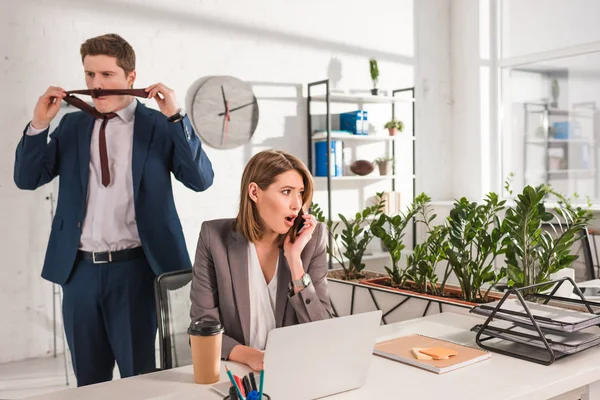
[(82, 105), (103, 152)]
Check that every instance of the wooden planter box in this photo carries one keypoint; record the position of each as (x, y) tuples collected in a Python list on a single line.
[(383, 283), (349, 298)]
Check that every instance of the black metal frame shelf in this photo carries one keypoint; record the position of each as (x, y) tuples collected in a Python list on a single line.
[(328, 98), (532, 320)]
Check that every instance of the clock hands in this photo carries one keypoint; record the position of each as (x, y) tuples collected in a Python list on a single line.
[(227, 115), (237, 108), (225, 123)]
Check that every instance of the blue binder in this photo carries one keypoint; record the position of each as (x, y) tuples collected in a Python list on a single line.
[(321, 158)]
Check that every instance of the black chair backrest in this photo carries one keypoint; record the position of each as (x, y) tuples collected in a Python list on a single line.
[(172, 294)]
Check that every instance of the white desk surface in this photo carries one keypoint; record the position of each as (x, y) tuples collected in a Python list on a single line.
[(499, 377)]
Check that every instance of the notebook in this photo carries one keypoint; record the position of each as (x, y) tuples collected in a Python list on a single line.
[(400, 349)]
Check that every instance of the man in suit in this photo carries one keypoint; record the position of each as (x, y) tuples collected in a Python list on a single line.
[(116, 225)]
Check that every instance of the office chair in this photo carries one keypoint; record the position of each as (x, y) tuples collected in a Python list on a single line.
[(172, 294)]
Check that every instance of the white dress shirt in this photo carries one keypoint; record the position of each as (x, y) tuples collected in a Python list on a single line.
[(262, 300), (109, 222)]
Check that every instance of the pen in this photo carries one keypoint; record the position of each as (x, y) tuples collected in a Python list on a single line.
[(253, 381), (234, 383), (262, 381), (240, 385), (247, 386)]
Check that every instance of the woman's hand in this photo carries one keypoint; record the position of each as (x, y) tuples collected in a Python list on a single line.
[(291, 250), (247, 355)]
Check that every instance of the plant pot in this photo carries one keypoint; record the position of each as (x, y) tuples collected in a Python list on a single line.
[(351, 297), (449, 290), (375, 92), (385, 168), (393, 131)]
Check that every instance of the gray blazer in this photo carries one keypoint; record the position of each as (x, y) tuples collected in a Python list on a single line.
[(220, 283)]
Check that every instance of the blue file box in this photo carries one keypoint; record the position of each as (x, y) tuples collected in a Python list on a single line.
[(355, 122), (321, 158)]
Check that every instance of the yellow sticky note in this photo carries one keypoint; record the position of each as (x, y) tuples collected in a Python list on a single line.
[(420, 356)]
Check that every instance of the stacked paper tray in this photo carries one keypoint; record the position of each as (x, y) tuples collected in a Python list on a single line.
[(560, 342), (547, 317)]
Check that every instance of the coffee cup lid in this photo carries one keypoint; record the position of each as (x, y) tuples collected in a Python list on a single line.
[(205, 328)]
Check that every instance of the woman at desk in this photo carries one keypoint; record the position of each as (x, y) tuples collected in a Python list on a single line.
[(259, 271)]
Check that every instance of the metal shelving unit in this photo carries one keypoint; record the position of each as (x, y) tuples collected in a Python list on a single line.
[(572, 147), (327, 135)]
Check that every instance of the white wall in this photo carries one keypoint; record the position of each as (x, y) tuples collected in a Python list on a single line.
[(534, 26), (177, 43)]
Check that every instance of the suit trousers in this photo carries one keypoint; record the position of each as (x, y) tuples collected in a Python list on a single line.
[(109, 315)]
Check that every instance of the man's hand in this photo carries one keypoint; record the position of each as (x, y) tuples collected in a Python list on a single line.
[(165, 98), (47, 107)]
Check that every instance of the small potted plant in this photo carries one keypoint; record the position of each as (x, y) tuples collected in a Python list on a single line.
[(374, 69), (394, 126), (385, 165)]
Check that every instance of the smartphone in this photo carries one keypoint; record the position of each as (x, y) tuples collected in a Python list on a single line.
[(298, 224)]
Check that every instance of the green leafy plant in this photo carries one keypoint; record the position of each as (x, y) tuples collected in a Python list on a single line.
[(422, 263), (355, 236), (391, 231), (383, 159), (474, 241), (394, 123), (374, 71), (533, 253)]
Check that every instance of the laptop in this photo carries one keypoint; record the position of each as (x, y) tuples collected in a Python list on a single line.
[(319, 359)]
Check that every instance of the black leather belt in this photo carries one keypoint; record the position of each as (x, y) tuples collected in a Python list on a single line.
[(104, 257)]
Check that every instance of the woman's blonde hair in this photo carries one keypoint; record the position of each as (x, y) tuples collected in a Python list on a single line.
[(262, 169)]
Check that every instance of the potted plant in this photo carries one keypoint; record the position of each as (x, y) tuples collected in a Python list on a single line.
[(532, 253), (394, 126), (385, 165), (469, 241), (417, 282), (374, 70), (475, 239), (347, 295), (355, 236), (391, 231)]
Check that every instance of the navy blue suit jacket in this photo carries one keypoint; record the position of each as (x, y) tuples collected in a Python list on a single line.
[(159, 148)]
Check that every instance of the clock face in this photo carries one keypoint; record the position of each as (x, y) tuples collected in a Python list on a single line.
[(225, 112)]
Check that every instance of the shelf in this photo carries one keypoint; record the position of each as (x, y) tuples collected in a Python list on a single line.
[(361, 98), (561, 171), (582, 112), (544, 141), (357, 178), (322, 136)]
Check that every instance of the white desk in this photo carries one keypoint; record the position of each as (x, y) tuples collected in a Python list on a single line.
[(498, 378)]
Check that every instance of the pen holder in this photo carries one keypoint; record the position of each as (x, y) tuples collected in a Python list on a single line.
[(265, 396)]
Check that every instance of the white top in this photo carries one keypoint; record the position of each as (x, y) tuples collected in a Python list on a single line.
[(109, 222), (262, 300)]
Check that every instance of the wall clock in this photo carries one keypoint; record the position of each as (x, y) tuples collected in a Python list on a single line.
[(225, 112)]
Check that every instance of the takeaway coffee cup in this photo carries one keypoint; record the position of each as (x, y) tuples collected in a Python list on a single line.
[(206, 337)]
